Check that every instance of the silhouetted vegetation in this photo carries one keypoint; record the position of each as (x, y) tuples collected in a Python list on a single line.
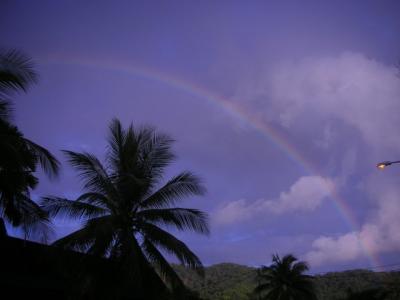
[(221, 281), (19, 156), (236, 282), (124, 207), (370, 294), (284, 279)]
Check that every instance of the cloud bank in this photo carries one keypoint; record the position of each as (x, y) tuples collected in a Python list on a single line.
[(305, 195), (380, 235), (351, 88)]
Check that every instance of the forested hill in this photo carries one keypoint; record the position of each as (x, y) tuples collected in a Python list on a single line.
[(235, 282)]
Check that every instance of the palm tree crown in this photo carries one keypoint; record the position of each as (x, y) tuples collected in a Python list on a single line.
[(125, 209), (284, 279), (19, 157)]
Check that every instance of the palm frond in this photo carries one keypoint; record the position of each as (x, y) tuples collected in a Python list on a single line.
[(14, 151), (22, 212), (130, 154), (35, 223), (48, 162), (288, 259), (79, 240), (92, 173), (276, 260), (184, 185), (156, 152), (84, 238), (57, 206), (16, 71), (5, 110), (116, 142), (105, 237), (172, 245), (300, 267), (157, 259), (96, 199), (180, 218)]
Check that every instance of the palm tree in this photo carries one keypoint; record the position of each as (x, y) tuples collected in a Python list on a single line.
[(284, 279), (19, 157), (125, 209)]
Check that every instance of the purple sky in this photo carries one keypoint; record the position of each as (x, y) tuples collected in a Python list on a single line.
[(322, 74)]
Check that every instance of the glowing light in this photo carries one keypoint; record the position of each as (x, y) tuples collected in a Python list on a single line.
[(383, 164)]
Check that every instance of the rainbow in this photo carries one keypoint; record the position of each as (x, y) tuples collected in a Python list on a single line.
[(228, 107)]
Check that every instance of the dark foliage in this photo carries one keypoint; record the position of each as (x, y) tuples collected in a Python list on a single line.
[(285, 279), (235, 282), (20, 157), (126, 208), (222, 281), (369, 294)]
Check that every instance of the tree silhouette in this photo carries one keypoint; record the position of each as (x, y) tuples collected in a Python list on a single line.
[(284, 279), (19, 156), (124, 209)]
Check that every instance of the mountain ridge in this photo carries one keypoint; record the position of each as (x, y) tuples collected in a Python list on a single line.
[(230, 281)]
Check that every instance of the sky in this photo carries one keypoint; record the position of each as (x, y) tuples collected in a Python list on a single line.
[(283, 108)]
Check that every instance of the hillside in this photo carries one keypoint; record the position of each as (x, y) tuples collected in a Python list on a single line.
[(235, 282), (222, 281)]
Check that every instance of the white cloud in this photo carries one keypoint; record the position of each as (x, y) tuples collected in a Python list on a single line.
[(328, 249), (351, 88), (306, 194), (379, 235)]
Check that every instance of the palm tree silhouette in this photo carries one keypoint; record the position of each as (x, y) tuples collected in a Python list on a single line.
[(124, 210), (19, 156), (284, 279)]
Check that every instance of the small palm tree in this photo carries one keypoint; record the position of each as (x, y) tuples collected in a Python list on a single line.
[(125, 209), (19, 157), (284, 279)]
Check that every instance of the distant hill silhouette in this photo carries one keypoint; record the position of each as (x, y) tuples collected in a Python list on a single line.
[(229, 281)]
